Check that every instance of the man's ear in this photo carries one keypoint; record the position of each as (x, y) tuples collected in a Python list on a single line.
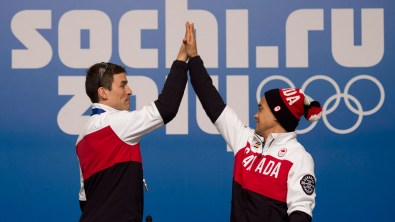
[(102, 93)]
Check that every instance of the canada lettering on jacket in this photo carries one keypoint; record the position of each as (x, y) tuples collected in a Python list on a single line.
[(265, 167)]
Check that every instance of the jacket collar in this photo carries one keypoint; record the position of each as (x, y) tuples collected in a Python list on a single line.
[(277, 139), (274, 139), (103, 107)]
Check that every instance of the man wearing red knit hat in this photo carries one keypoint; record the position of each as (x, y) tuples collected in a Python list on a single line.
[(273, 178)]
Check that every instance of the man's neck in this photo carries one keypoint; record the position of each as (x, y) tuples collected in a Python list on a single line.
[(275, 129)]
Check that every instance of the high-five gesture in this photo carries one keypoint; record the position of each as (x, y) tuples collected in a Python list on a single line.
[(190, 41)]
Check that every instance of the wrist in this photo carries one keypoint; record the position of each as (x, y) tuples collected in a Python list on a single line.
[(182, 58), (192, 55)]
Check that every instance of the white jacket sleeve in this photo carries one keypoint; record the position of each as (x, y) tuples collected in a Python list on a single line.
[(301, 185), (130, 126), (232, 129)]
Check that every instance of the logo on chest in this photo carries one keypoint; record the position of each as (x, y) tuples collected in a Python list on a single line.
[(282, 152)]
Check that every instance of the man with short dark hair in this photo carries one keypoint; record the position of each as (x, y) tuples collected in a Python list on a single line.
[(108, 148), (273, 178)]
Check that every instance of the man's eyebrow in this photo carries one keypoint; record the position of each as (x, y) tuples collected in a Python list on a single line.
[(124, 82), (259, 105)]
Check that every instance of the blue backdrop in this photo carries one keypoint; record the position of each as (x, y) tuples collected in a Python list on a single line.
[(340, 52)]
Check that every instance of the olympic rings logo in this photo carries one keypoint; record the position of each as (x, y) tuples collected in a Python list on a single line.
[(337, 97)]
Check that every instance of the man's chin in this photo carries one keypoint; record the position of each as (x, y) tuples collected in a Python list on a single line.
[(124, 108), (257, 132)]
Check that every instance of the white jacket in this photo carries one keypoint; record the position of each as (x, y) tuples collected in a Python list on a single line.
[(277, 169)]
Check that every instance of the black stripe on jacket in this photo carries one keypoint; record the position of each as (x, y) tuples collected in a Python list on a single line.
[(169, 100), (203, 85)]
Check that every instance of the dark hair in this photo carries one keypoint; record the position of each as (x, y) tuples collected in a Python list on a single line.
[(100, 75)]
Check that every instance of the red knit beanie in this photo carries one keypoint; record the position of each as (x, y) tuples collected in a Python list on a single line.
[(288, 105)]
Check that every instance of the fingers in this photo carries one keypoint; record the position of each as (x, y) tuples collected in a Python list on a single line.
[(190, 42), (186, 32), (191, 32), (192, 27)]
